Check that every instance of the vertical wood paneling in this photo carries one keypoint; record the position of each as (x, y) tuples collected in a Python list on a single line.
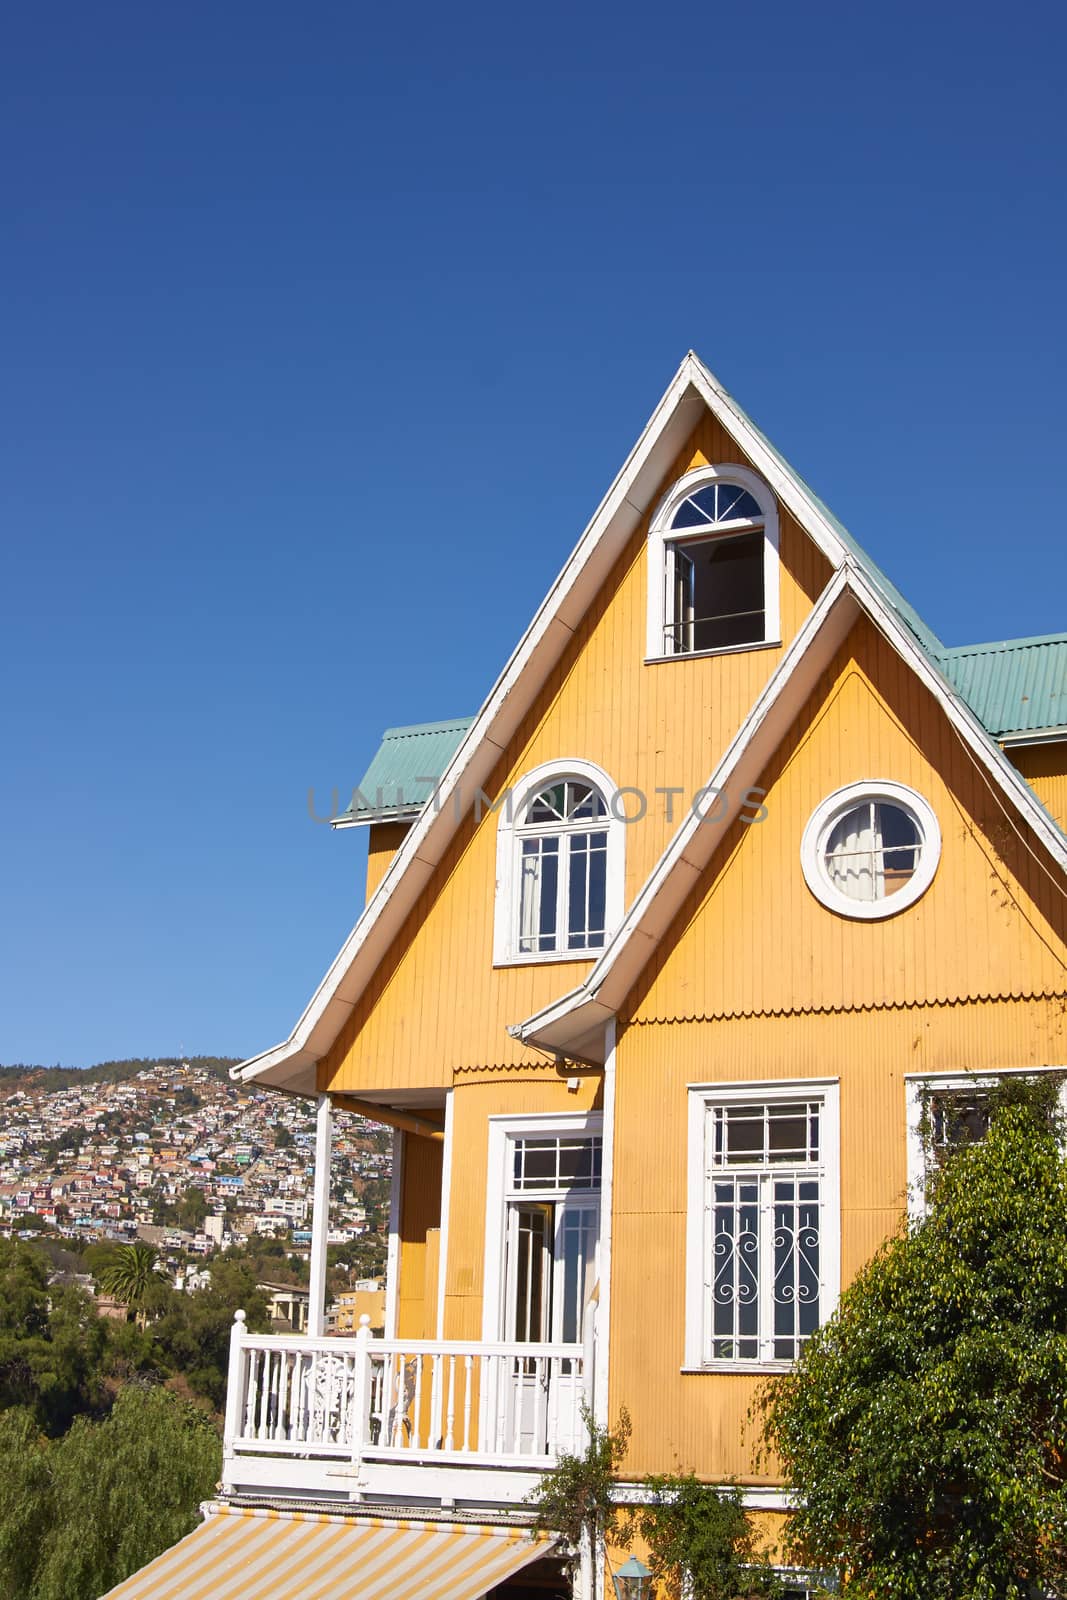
[(1044, 766), (699, 1421), (437, 1003), (420, 1212), (383, 841), (753, 938), (538, 1090)]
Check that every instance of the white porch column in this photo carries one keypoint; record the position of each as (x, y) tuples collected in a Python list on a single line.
[(320, 1217)]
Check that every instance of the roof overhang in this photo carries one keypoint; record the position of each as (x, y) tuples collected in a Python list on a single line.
[(576, 1020), (692, 392)]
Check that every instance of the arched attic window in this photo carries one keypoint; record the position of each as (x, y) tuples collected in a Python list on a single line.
[(559, 892), (713, 565)]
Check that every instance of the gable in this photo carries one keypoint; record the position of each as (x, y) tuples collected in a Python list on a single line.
[(752, 940), (436, 1003)]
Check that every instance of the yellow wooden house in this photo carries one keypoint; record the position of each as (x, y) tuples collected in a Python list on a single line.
[(661, 951)]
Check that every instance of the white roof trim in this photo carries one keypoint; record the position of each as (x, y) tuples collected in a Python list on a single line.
[(571, 1019), (291, 1065)]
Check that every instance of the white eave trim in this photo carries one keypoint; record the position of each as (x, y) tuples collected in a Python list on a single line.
[(624, 505), (1022, 741), (688, 854)]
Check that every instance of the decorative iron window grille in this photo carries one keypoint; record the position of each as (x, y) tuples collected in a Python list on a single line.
[(764, 1186)]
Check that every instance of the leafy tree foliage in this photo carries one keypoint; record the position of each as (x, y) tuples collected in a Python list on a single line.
[(129, 1277), (574, 1499), (925, 1427), (193, 1334), (700, 1540), (51, 1342), (80, 1514)]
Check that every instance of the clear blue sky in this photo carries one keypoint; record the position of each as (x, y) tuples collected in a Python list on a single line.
[(325, 329)]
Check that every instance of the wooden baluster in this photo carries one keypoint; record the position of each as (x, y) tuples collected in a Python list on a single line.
[(250, 1399), (416, 1413), (450, 1415), (555, 1383), (435, 1440), (468, 1363), (541, 1381), (520, 1397)]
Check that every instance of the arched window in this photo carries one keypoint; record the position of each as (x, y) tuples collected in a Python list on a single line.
[(713, 565), (559, 866)]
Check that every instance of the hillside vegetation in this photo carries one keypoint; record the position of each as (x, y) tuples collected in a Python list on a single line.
[(20, 1075)]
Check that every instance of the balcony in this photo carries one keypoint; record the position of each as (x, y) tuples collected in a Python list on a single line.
[(361, 1418)]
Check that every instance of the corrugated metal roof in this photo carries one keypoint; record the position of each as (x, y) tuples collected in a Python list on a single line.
[(406, 765), (1013, 686)]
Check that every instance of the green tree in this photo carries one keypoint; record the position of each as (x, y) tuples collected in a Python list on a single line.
[(82, 1513), (26, 1501), (575, 1499), (192, 1209), (193, 1335), (51, 1341), (924, 1429), (700, 1540), (130, 1276)]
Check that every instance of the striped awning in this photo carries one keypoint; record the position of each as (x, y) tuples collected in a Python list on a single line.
[(239, 1553)]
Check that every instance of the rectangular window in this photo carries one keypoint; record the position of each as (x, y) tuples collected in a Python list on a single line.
[(715, 594), (763, 1249), (948, 1110)]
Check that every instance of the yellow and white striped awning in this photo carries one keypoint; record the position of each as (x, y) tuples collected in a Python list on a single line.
[(241, 1553)]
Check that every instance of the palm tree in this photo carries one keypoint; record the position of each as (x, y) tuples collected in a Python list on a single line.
[(128, 1277)]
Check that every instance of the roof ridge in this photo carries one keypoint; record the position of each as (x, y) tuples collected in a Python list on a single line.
[(411, 729), (1026, 642)]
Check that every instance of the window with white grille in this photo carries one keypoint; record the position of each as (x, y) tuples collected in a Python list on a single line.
[(560, 847), (713, 565), (767, 1240)]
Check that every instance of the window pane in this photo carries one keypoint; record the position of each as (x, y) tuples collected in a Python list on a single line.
[(587, 890), (727, 602), (697, 510), (539, 865), (578, 1246), (851, 865), (531, 1248), (796, 1265), (557, 1162), (735, 1285), (548, 806)]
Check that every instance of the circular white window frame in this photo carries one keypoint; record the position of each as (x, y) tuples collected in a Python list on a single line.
[(826, 816)]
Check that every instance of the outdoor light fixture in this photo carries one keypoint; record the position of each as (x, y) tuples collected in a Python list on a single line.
[(631, 1580)]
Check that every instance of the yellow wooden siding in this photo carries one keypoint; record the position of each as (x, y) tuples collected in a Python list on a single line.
[(437, 1003), (540, 1090), (700, 1420), (1044, 766), (756, 940), (420, 1213), (383, 841)]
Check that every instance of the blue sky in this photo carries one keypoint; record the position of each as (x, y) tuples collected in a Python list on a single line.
[(324, 332)]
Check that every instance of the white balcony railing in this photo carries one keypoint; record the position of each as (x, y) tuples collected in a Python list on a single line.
[(349, 1401)]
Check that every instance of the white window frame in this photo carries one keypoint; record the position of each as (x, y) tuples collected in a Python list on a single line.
[(502, 1131), (509, 837), (825, 818), (918, 1084), (661, 534), (702, 1097)]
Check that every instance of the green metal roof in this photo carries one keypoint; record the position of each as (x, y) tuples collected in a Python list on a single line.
[(405, 768), (1013, 686)]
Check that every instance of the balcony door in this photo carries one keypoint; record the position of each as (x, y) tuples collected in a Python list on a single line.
[(551, 1269)]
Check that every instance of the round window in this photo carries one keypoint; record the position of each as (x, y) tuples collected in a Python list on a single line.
[(870, 849)]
